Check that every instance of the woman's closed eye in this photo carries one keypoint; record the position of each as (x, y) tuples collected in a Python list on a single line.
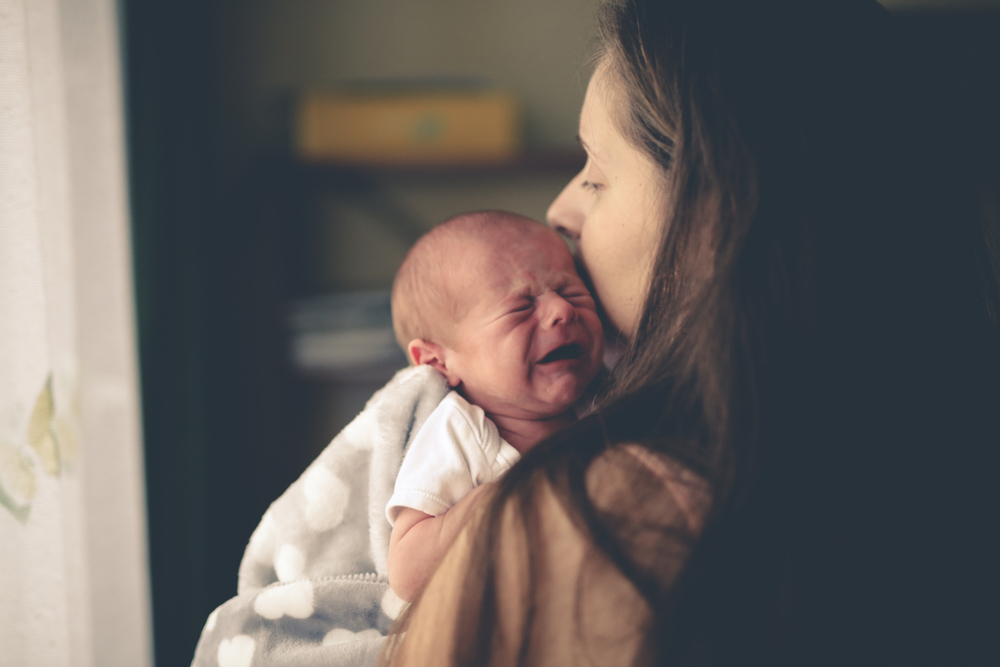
[(593, 177)]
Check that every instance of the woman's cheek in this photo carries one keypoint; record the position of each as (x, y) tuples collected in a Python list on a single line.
[(614, 302), (619, 288), (625, 314), (601, 250)]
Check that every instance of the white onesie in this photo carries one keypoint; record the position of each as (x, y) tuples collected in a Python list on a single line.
[(457, 449)]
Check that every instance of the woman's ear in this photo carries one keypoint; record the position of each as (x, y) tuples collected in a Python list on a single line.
[(426, 353)]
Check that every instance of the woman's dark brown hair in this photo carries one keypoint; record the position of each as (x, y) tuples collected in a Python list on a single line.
[(815, 344)]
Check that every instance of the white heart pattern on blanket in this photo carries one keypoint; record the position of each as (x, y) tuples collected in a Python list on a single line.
[(341, 635), (236, 652), (212, 618), (289, 564), (392, 605), (295, 600), (326, 499), (262, 540)]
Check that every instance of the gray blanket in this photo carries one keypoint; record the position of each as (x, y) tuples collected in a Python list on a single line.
[(313, 588)]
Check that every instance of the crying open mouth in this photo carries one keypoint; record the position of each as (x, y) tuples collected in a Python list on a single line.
[(571, 351)]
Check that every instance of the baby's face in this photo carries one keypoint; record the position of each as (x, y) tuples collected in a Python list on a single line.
[(530, 340)]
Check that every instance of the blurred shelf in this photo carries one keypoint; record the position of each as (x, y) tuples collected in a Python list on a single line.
[(536, 161), (345, 337)]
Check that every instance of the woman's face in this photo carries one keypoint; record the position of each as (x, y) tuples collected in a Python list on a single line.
[(613, 209)]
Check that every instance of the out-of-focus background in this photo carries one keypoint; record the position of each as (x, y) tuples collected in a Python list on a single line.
[(268, 164), (262, 327), (261, 276)]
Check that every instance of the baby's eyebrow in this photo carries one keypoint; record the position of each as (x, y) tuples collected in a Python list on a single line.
[(519, 294), (531, 291), (525, 292), (514, 295)]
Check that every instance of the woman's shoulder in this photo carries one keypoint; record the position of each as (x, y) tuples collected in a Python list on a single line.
[(627, 470), (539, 549), (650, 501)]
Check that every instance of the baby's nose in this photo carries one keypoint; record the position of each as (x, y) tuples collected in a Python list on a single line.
[(557, 311)]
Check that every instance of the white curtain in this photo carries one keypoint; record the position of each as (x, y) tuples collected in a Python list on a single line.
[(74, 584)]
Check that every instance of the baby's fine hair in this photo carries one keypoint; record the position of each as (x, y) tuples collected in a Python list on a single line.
[(425, 301)]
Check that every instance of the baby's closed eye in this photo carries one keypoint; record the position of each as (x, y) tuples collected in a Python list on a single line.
[(576, 294)]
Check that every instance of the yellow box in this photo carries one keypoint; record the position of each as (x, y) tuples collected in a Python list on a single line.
[(408, 128)]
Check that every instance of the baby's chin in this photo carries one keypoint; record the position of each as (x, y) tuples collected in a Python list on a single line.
[(563, 394)]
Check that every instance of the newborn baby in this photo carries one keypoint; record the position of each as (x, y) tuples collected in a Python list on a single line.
[(491, 300)]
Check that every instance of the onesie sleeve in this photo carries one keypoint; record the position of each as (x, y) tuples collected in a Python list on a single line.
[(457, 449)]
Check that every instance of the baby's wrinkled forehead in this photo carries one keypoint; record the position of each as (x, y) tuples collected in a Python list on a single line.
[(491, 270), (480, 267), (499, 257), (483, 256)]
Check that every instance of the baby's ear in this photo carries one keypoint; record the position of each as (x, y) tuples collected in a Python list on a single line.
[(425, 353)]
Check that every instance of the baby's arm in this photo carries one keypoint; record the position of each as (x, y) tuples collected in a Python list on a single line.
[(419, 541)]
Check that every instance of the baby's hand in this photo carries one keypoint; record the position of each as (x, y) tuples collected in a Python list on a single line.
[(419, 542)]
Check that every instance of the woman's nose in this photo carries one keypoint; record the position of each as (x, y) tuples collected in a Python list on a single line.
[(565, 215), (556, 310)]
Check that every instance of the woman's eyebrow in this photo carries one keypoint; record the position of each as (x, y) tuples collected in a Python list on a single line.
[(590, 151)]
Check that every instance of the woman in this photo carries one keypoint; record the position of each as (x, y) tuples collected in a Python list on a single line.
[(791, 463)]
